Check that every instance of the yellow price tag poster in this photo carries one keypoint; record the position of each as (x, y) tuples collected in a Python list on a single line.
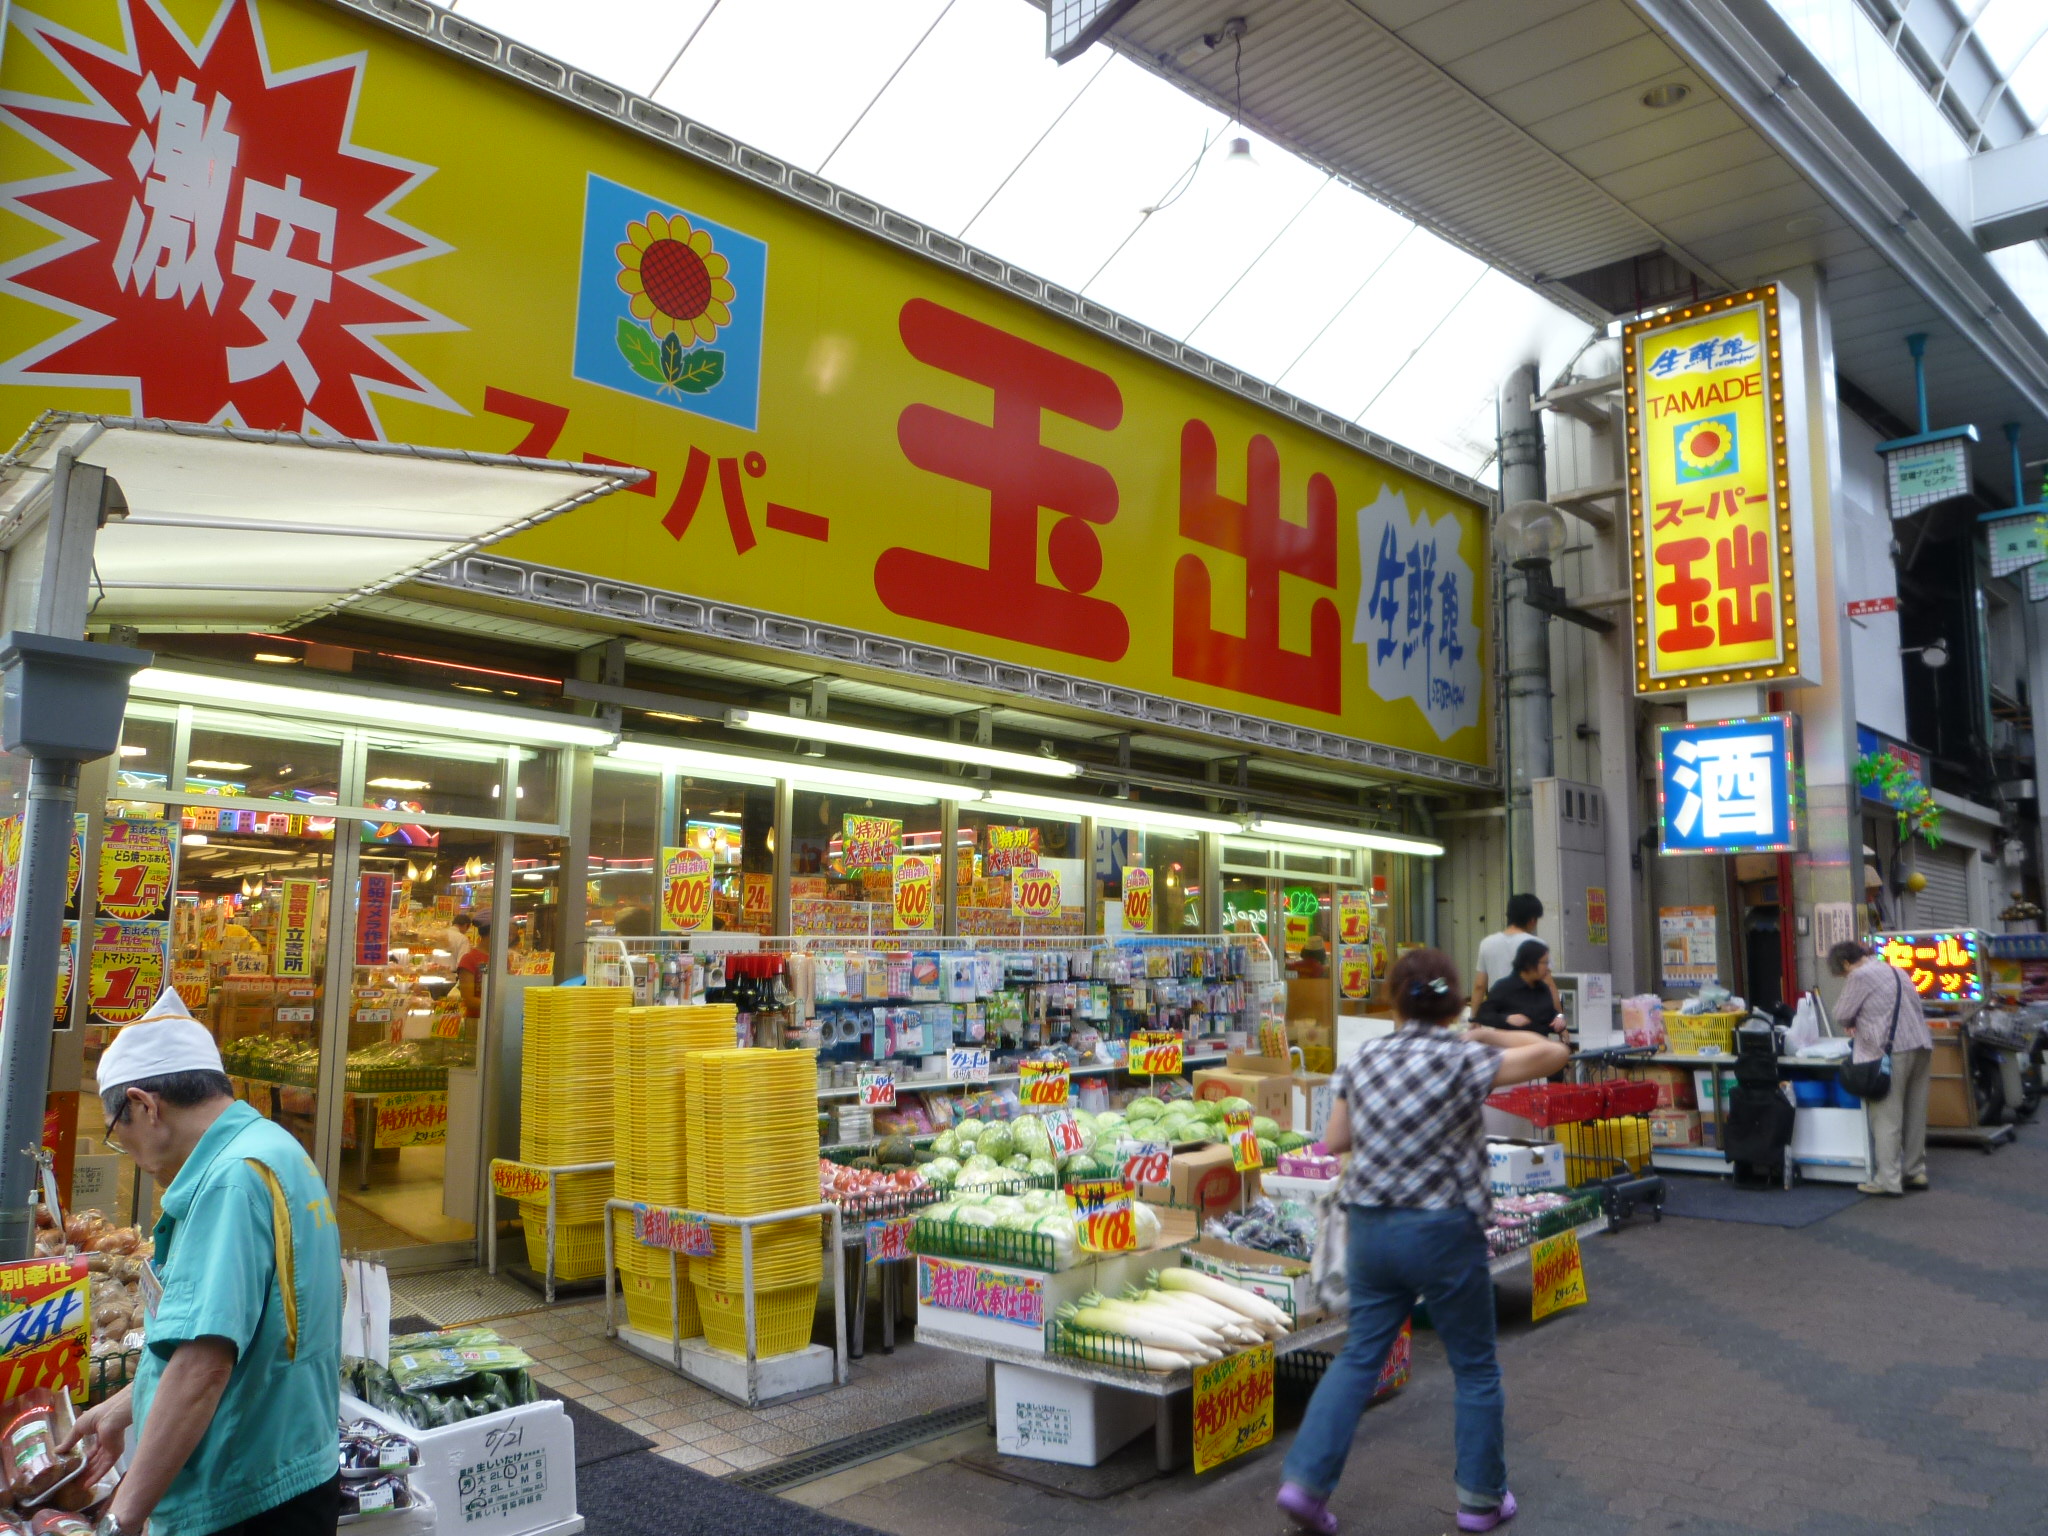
[(1557, 1275), (45, 1326), (869, 842), (1244, 1141), (135, 869), (1233, 1405), (1043, 1084), (757, 902), (1138, 900), (74, 888), (518, 1181), (1354, 917), (1354, 970), (296, 948), (1103, 1215), (913, 889), (412, 1119), (1011, 848), (685, 891), (1596, 914), (1034, 892), (1157, 1052), (1713, 549), (125, 971)]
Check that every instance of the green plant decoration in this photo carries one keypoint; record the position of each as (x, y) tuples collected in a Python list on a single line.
[(1919, 816)]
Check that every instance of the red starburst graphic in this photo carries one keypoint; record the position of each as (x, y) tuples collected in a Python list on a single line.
[(221, 240)]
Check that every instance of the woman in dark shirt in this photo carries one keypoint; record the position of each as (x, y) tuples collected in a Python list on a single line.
[(1523, 1001)]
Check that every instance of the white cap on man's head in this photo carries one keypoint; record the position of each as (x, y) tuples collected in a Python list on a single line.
[(164, 1040)]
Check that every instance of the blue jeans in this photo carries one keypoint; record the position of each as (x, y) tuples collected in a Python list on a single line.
[(1395, 1255)]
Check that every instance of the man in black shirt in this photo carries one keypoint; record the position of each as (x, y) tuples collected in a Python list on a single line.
[(1525, 1000)]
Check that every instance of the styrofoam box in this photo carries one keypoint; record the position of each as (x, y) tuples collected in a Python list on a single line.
[(1050, 1417), (509, 1473), (1513, 1166)]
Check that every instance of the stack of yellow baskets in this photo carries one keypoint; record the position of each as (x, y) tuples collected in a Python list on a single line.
[(650, 1046), (565, 1116), (752, 1147)]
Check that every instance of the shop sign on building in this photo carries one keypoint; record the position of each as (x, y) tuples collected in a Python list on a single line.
[(1719, 572), (838, 429), (1729, 786), (1943, 967)]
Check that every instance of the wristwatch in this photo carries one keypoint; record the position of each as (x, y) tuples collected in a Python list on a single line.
[(109, 1526)]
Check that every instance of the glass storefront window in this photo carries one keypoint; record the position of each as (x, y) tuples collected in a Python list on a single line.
[(625, 842), (143, 761), (1175, 862), (842, 857), (1245, 905), (991, 847), (430, 777), (539, 786), (263, 760), (733, 826)]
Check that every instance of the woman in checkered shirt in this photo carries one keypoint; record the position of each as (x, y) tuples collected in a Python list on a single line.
[(1408, 1111)]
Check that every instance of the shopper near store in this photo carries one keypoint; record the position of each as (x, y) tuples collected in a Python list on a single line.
[(1525, 999), (455, 937), (469, 970), (1880, 1008), (1415, 1190), (238, 1391), (1497, 950)]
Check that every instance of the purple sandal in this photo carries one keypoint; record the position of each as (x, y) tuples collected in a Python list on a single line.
[(1487, 1519), (1306, 1510)]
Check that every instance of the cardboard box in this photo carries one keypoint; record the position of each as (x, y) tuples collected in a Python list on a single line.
[(1207, 1172), (1513, 1167), (1315, 1095), (1267, 1081), (1283, 1281), (1674, 1086), (509, 1473), (1704, 1097), (1675, 1128), (1049, 1417)]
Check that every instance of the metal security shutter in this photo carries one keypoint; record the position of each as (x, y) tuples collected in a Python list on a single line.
[(1946, 901)]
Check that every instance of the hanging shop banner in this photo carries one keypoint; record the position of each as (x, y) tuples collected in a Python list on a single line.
[(1720, 574), (1596, 914), (1034, 892), (45, 1326), (1728, 786), (663, 1226), (296, 950), (869, 842), (913, 891), (1233, 1405), (125, 972), (1354, 917), (411, 1119), (135, 869), (1042, 1084), (1944, 967), (373, 919), (1137, 899), (1557, 1275), (518, 1181), (1354, 970), (838, 428), (685, 891), (1011, 848)]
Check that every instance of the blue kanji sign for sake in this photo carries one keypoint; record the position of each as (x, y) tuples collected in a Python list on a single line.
[(1729, 786)]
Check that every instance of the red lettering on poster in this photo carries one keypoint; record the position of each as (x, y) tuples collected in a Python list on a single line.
[(1744, 563), (1688, 594), (1022, 475), (696, 470), (544, 421), (1271, 547)]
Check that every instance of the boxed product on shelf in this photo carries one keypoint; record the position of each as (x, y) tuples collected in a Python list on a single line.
[(1047, 1416), (509, 1473), (1674, 1086), (1271, 1092), (1513, 1166), (1675, 1128)]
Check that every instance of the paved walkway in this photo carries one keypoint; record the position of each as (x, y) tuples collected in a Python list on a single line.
[(1880, 1371)]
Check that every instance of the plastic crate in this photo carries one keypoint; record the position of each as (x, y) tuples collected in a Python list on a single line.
[(1626, 1096), (1549, 1104)]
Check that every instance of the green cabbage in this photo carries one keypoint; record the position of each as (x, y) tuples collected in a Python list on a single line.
[(946, 1144), (997, 1141), (1233, 1106), (1041, 1168), (1031, 1138), (1265, 1128), (1144, 1107), (969, 1130)]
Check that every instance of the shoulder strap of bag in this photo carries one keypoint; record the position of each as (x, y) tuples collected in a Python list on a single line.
[(1898, 997)]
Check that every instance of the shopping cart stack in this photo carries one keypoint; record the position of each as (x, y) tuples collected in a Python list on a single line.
[(565, 1117), (650, 1109), (751, 1142)]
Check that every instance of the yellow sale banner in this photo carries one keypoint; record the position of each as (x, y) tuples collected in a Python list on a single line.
[(1103, 1215), (1557, 1275), (1034, 892), (1233, 1405), (838, 429), (295, 944), (1042, 1084), (913, 887), (518, 1181), (1244, 1141), (1138, 900), (1354, 917), (45, 1326), (685, 891), (1157, 1052), (135, 869), (125, 970)]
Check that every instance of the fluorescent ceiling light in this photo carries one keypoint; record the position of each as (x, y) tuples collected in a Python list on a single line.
[(802, 774), (133, 751), (193, 840), (1116, 812), (398, 783), (799, 728), (532, 729), (277, 660), (215, 763), (1344, 837)]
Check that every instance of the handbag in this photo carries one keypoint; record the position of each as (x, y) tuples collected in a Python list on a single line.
[(1333, 1243), (1872, 1080)]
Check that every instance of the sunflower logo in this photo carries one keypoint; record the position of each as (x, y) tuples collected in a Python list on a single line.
[(1707, 448), (678, 288)]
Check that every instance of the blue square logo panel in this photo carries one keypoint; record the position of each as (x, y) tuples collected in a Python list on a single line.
[(1729, 786)]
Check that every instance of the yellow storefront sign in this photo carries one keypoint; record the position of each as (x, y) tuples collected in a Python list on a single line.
[(296, 946), (1713, 573), (418, 249)]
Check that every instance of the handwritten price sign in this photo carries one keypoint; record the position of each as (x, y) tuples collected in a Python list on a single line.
[(878, 1090), (1065, 1132), (518, 1181), (1138, 900), (1043, 1083), (967, 1064), (888, 1241), (1145, 1162), (1157, 1052), (1034, 892), (1103, 1214), (1233, 1406), (685, 891), (663, 1226), (1244, 1143)]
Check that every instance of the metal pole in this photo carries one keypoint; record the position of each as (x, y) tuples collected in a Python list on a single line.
[(32, 992), (1528, 634)]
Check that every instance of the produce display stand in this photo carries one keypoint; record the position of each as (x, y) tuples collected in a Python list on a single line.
[(491, 1226), (751, 1381)]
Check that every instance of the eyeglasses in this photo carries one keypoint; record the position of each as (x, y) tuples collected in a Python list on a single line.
[(118, 1120)]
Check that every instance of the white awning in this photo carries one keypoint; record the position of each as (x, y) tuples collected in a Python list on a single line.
[(234, 530)]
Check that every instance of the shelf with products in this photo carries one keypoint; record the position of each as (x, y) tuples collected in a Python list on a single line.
[(996, 1079)]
